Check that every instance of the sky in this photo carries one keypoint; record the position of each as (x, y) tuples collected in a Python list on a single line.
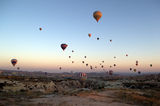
[(133, 26)]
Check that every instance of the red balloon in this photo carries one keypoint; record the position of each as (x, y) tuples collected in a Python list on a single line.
[(63, 46), (40, 29), (89, 35)]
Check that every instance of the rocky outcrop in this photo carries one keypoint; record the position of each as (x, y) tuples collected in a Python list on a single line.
[(142, 85), (49, 86)]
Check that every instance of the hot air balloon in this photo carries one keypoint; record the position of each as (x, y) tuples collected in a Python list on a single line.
[(72, 61), (102, 61), (60, 68), (110, 72), (97, 15), (18, 68), (86, 64), (136, 64), (14, 62), (69, 56), (91, 67), (85, 56), (150, 65), (102, 66), (110, 40), (110, 66), (130, 69), (63, 46), (114, 56), (97, 38), (40, 29), (95, 66), (134, 70), (126, 54), (89, 35), (114, 65), (139, 72), (72, 51), (82, 61), (137, 61)]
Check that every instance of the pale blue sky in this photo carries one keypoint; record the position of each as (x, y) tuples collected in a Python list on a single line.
[(133, 25)]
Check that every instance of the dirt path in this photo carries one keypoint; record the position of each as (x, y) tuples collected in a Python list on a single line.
[(104, 98)]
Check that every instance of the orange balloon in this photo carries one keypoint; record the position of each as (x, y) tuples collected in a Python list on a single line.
[(97, 15)]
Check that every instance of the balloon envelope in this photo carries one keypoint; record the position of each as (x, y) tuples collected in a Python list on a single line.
[(97, 15), (14, 62), (64, 46), (40, 29), (89, 35), (139, 72)]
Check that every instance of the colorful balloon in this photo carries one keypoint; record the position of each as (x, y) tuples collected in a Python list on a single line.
[(97, 15), (97, 38), (134, 70), (139, 72), (64, 46), (110, 72), (40, 29), (102, 66), (89, 35), (14, 62), (60, 68), (91, 67)]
